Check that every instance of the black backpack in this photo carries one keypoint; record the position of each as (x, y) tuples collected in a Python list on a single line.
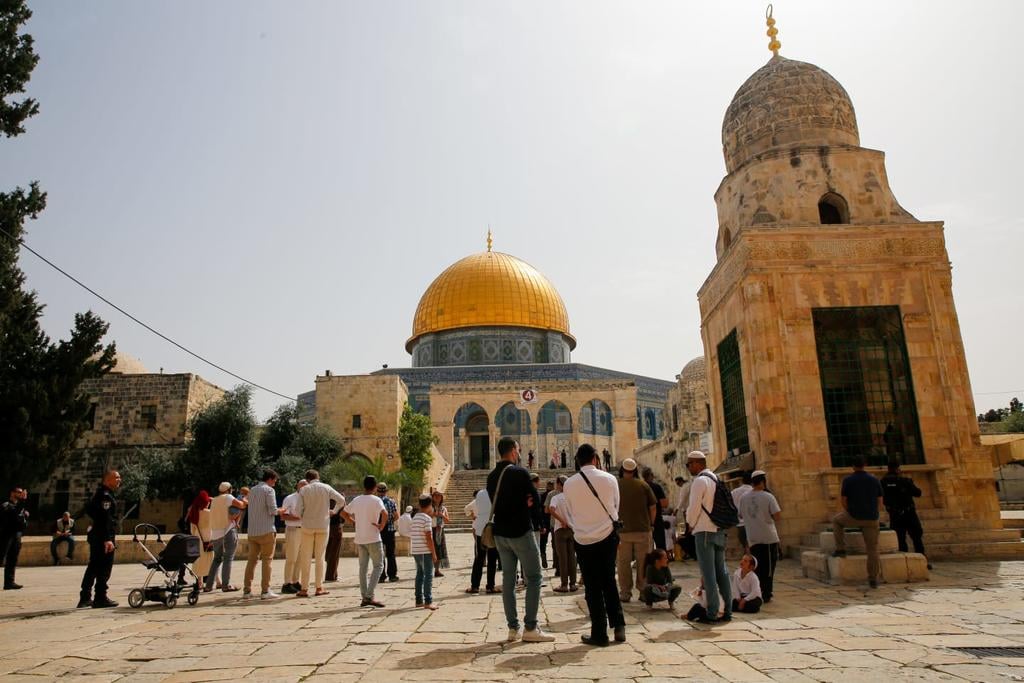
[(723, 512)]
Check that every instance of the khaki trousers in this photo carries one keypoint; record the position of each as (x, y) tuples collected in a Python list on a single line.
[(292, 541), (869, 528), (633, 547), (260, 548), (314, 544)]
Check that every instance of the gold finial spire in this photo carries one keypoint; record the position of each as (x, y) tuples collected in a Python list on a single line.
[(490, 240), (773, 43)]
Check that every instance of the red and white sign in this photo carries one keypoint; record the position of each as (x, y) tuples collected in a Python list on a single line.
[(527, 396)]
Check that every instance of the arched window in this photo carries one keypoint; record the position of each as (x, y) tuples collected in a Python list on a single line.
[(832, 209)]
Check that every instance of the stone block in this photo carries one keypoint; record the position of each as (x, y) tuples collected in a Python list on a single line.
[(855, 542), (917, 567), (894, 568), (847, 570)]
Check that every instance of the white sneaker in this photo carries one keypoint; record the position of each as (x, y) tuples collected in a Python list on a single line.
[(513, 635), (247, 595), (269, 595), (537, 636)]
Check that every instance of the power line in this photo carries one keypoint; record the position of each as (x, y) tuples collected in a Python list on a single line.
[(134, 319), (992, 393)]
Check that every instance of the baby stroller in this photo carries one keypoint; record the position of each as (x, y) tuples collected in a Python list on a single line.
[(173, 561)]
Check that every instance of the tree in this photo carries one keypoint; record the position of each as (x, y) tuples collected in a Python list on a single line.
[(1015, 422), (352, 470), (42, 408), (222, 446), (415, 437), (292, 448), (1015, 405)]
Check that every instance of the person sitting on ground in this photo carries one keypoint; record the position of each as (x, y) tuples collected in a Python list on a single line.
[(659, 584), (699, 610), (746, 587)]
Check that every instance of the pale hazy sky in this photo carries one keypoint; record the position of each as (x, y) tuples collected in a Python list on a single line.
[(275, 184)]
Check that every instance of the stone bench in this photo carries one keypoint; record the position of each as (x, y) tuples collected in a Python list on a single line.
[(853, 569), (35, 550)]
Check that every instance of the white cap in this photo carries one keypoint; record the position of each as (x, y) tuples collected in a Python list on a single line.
[(629, 464), (408, 508), (224, 487), (696, 455), (758, 473)]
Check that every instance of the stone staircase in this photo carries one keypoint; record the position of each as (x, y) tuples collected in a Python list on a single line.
[(947, 539), (463, 483), (896, 567)]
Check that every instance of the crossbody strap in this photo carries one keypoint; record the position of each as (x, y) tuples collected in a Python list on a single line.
[(715, 481), (591, 487), (497, 490)]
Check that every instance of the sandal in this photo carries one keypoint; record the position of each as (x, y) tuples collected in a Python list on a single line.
[(561, 589), (474, 590), (302, 594), (229, 589), (321, 591)]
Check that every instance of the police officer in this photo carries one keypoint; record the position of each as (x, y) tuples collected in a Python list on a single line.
[(13, 522), (103, 510), (898, 495)]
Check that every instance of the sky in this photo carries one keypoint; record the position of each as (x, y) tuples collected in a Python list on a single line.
[(274, 185)]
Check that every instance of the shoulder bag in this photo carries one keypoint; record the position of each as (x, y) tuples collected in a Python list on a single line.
[(487, 536)]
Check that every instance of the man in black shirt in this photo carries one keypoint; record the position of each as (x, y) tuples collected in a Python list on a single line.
[(658, 524), (13, 523), (860, 494), (103, 511), (898, 494), (512, 496)]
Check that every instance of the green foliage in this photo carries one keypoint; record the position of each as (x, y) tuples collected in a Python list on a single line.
[(292, 448), (42, 408), (222, 446), (17, 60), (152, 474), (415, 437), (1015, 422), (349, 473)]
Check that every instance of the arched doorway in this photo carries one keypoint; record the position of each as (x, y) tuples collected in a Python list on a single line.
[(472, 438), (554, 434), (596, 425)]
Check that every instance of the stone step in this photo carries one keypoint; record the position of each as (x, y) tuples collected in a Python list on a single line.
[(932, 537), (853, 569), (965, 552), (1011, 523)]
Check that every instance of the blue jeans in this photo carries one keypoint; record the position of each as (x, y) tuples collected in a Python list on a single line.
[(368, 552), (223, 555), (424, 578), (711, 559), (524, 549)]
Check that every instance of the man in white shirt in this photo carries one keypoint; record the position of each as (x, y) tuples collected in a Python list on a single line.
[(593, 515), (289, 512), (314, 508), (405, 523), (709, 539), (368, 514), (481, 513), (737, 495)]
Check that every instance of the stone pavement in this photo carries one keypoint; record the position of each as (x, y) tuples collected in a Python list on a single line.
[(810, 632)]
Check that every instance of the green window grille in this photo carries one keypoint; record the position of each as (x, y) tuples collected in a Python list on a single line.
[(866, 385), (733, 405)]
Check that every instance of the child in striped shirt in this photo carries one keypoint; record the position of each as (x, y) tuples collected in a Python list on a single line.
[(421, 547)]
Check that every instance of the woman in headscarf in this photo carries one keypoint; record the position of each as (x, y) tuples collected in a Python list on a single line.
[(199, 524)]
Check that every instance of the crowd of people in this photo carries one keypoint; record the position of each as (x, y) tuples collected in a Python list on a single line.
[(611, 533)]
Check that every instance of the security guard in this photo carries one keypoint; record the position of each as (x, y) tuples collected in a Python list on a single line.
[(13, 523), (898, 495), (103, 510)]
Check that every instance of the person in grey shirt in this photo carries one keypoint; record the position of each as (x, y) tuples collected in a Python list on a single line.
[(262, 534)]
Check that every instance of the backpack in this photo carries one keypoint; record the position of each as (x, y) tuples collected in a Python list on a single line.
[(723, 512)]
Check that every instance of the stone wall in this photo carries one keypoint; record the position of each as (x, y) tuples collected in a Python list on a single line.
[(376, 400), (765, 287)]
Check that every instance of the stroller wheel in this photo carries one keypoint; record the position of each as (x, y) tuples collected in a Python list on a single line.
[(136, 597), (193, 598), (171, 601)]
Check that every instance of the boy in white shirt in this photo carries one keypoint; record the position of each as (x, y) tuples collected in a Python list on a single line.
[(421, 547), (405, 523), (368, 514), (746, 587)]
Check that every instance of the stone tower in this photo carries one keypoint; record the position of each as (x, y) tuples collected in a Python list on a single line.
[(828, 321)]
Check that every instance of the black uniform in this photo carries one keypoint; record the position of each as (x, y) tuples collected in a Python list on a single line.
[(898, 495), (103, 511), (658, 526), (13, 523)]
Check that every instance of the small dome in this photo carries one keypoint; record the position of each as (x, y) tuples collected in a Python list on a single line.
[(128, 365), (490, 289), (787, 104), (693, 371)]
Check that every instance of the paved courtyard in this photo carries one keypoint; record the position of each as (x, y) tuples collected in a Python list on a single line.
[(810, 632)]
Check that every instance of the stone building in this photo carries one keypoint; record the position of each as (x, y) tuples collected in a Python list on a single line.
[(491, 349), (132, 410), (828, 322)]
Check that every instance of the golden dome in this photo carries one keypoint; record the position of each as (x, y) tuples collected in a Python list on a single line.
[(490, 289)]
